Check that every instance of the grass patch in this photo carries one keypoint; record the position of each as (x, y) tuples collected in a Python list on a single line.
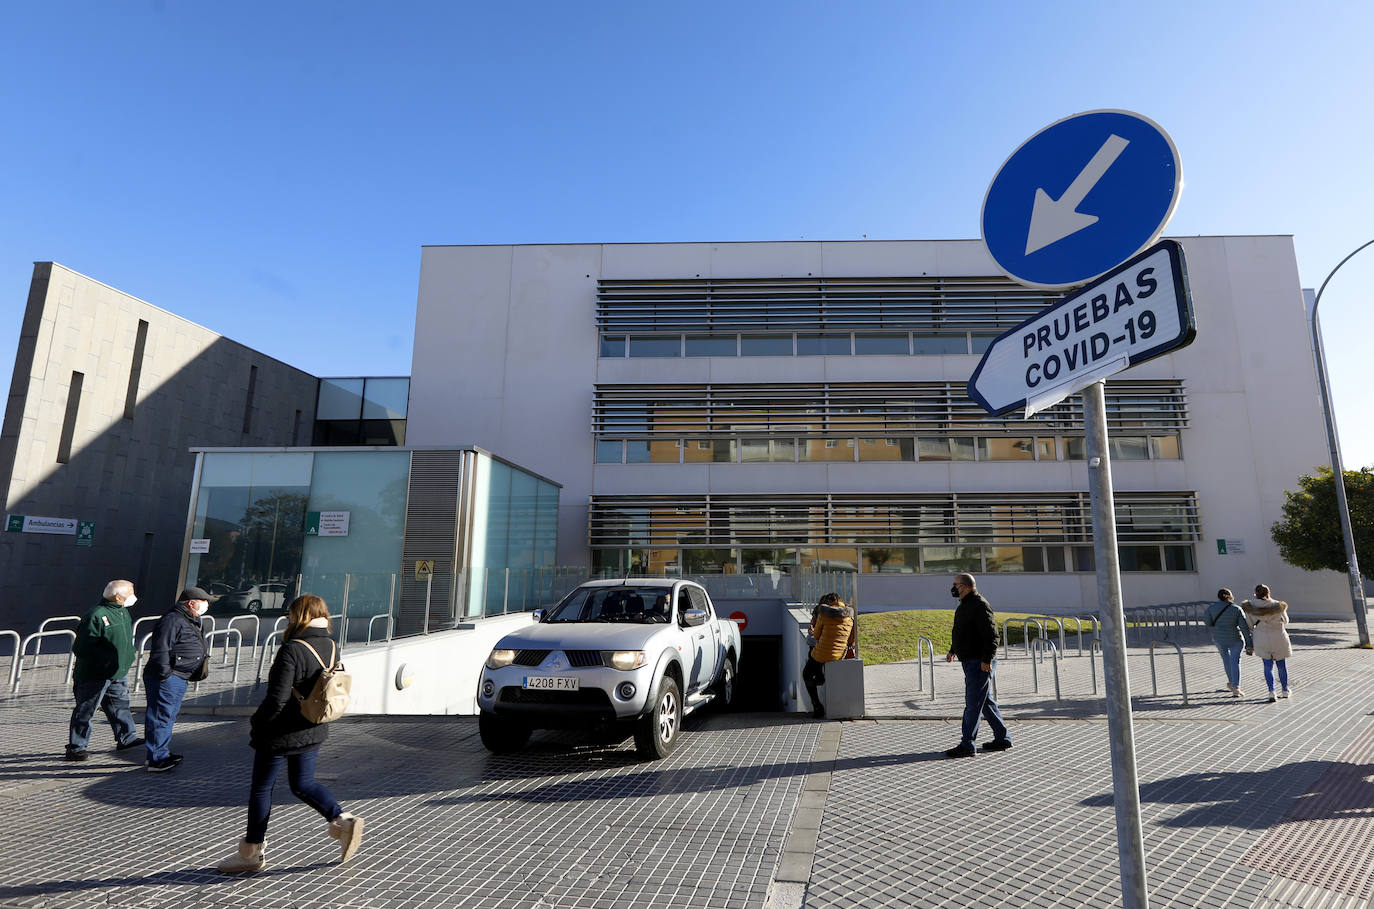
[(889, 637)]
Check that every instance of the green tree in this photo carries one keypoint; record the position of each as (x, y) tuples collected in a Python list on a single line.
[(1309, 536)]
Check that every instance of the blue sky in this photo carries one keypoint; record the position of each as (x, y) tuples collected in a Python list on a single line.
[(271, 170)]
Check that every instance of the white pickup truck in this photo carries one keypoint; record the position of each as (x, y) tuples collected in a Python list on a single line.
[(640, 653)]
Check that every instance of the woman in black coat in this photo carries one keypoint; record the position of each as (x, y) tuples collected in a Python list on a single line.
[(281, 735)]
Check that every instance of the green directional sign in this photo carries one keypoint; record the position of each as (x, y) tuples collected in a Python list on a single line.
[(85, 533), (14, 523)]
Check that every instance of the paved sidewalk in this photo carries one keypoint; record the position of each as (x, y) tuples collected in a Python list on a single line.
[(1246, 804)]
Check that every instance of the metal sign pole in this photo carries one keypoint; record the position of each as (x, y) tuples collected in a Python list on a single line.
[(1130, 843)]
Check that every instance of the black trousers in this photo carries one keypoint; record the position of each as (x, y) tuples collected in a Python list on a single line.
[(813, 675)]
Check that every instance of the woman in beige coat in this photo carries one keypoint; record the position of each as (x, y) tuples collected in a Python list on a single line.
[(1269, 619)]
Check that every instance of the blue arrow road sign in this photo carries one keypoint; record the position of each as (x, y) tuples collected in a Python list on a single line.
[(1080, 197)]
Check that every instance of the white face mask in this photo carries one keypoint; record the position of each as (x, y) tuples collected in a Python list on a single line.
[(203, 608), (130, 600)]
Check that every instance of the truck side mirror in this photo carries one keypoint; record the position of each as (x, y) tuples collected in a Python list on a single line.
[(694, 617)]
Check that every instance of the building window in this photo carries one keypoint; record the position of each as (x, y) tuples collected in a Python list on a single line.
[(136, 369), (64, 443)]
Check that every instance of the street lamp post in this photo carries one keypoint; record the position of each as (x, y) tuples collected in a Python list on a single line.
[(1352, 563)]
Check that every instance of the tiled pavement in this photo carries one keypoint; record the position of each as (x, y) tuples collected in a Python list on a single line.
[(1245, 804)]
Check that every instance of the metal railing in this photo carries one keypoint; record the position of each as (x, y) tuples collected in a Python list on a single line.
[(14, 657), (372, 621), (1058, 622), (38, 637), (1182, 675), (238, 648), (1042, 646), (138, 659), (43, 626), (257, 631), (1025, 624), (267, 647), (926, 644)]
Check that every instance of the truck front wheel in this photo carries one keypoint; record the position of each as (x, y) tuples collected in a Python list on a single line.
[(656, 732), (501, 736)]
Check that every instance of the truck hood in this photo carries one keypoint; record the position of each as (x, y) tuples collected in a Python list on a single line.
[(583, 636)]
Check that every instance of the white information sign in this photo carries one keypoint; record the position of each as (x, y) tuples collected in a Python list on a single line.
[(28, 523), (200, 546), (334, 523)]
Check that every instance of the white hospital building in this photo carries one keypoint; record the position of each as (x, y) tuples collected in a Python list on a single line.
[(769, 408)]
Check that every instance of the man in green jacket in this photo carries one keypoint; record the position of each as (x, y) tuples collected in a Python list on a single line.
[(104, 649)]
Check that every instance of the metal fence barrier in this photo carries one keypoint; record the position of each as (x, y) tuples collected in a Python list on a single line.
[(37, 637), (926, 644), (14, 657), (1182, 676), (257, 630), (138, 660), (1043, 645), (1025, 624), (373, 620), (267, 647), (238, 648), (42, 627), (1057, 621)]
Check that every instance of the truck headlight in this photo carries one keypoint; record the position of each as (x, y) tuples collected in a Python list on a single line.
[(500, 659), (625, 660)]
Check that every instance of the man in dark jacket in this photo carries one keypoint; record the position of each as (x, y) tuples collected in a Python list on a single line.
[(104, 649), (975, 644), (177, 652)]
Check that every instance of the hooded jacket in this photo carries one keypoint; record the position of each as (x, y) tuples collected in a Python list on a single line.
[(831, 626)]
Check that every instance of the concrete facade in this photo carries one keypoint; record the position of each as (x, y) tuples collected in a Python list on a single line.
[(507, 357), (129, 465)]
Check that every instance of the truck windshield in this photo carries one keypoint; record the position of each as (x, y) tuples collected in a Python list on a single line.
[(644, 605)]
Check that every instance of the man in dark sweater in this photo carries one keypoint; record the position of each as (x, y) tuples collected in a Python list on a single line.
[(975, 644)]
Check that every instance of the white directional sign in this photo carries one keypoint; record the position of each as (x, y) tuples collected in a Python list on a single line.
[(1135, 313)]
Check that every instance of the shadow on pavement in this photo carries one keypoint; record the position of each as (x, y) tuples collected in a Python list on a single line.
[(1250, 799), (185, 877)]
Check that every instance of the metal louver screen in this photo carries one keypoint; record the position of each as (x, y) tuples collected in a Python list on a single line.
[(813, 304), (646, 411), (432, 510), (896, 518)]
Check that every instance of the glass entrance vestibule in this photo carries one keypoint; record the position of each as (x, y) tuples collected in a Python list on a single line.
[(397, 541)]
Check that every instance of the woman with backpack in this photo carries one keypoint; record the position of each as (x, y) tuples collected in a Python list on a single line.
[(281, 734)]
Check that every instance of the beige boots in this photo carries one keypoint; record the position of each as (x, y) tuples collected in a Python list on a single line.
[(348, 830), (248, 857)]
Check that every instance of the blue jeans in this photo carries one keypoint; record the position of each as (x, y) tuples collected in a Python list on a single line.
[(110, 695), (1269, 673), (300, 773), (164, 703), (1230, 658), (978, 703)]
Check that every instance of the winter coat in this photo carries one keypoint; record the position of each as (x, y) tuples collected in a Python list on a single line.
[(1228, 624), (277, 725), (104, 644), (1271, 635), (831, 626), (178, 645), (975, 629)]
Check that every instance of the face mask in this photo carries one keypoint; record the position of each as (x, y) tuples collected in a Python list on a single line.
[(202, 609), (954, 591), (130, 601)]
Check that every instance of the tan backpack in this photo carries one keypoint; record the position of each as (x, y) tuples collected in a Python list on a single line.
[(328, 700)]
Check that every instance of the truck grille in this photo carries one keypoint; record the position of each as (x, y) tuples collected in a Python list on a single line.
[(530, 657), (594, 697), (584, 658)]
